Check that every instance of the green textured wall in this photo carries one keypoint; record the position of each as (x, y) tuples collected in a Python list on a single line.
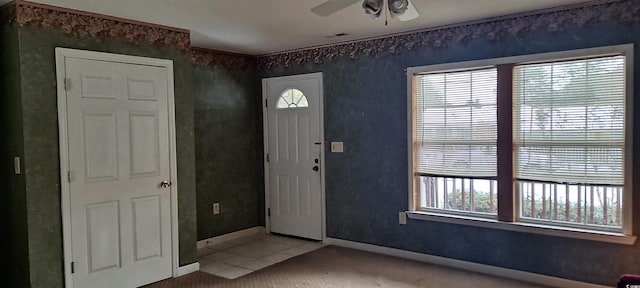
[(229, 157), (12, 197), (41, 160)]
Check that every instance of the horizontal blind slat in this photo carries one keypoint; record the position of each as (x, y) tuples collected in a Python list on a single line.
[(570, 121), (456, 123)]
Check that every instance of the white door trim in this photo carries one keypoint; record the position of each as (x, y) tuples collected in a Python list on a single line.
[(61, 55), (265, 124)]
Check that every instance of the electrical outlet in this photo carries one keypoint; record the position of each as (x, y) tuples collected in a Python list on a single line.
[(216, 208), (402, 218), (337, 147)]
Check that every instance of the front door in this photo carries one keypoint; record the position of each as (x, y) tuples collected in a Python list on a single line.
[(294, 145), (119, 173)]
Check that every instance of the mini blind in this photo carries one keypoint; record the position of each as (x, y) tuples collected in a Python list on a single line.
[(569, 121), (456, 124)]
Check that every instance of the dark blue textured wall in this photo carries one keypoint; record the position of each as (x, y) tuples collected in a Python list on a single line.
[(365, 107)]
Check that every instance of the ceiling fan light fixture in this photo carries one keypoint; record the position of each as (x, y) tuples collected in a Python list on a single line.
[(373, 7), (398, 7)]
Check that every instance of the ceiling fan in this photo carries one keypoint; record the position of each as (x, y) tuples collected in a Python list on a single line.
[(403, 9)]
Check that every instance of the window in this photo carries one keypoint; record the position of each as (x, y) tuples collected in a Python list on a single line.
[(292, 98), (455, 143), (569, 140), (558, 150)]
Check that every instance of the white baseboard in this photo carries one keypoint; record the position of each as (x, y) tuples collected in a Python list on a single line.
[(187, 269), (464, 265), (234, 235)]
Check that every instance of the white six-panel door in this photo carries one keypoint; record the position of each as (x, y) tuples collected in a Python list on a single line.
[(294, 149), (118, 150)]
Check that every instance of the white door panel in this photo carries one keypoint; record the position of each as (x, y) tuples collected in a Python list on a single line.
[(147, 227), (118, 136), (103, 236), (293, 128)]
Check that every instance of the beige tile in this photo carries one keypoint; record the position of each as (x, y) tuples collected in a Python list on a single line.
[(238, 250), (255, 244), (295, 251), (204, 251), (238, 260), (272, 246), (276, 258), (313, 245), (286, 241), (213, 267), (218, 256), (259, 236), (221, 246), (275, 247), (255, 252), (267, 247), (273, 238), (233, 272), (241, 241), (256, 264)]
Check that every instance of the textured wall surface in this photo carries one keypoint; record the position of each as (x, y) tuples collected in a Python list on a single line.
[(366, 108), (12, 195), (228, 155), (42, 152)]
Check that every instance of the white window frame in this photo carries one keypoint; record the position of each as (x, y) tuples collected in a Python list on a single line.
[(625, 237)]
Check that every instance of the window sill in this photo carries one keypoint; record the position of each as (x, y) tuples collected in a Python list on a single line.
[(616, 238)]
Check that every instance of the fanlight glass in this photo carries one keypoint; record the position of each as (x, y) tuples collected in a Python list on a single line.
[(292, 98)]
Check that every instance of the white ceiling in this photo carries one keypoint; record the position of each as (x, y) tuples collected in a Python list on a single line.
[(266, 26)]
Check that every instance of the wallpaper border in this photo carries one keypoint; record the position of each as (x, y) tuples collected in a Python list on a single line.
[(75, 22), (231, 61), (518, 25)]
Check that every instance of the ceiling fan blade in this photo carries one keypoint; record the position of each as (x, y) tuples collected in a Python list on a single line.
[(332, 6), (409, 14)]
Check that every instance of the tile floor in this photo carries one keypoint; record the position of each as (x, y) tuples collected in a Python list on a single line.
[(239, 257)]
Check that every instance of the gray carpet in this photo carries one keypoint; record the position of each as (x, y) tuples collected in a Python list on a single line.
[(333, 266)]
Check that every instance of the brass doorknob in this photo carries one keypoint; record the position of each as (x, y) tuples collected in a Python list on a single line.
[(165, 184)]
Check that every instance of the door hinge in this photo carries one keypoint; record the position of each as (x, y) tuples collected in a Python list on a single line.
[(67, 84), (69, 176), (266, 102), (267, 157), (73, 267), (269, 212), (16, 165)]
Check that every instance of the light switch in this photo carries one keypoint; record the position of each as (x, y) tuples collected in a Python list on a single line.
[(337, 147)]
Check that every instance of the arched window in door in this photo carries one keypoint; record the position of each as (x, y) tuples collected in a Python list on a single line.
[(292, 98)]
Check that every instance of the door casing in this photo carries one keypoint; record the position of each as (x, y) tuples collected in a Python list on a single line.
[(265, 122), (61, 55)]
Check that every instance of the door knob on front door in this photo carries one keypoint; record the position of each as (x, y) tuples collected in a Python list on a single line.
[(316, 168), (165, 184)]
